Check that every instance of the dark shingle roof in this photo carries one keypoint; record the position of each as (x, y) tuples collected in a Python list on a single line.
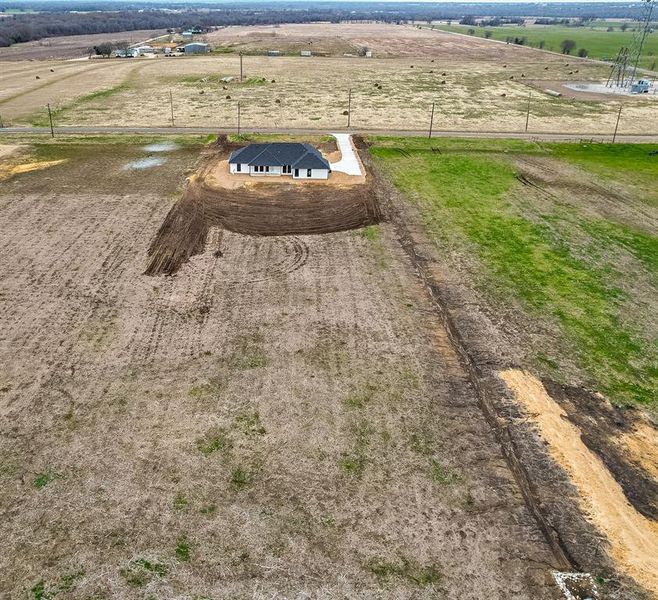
[(277, 154)]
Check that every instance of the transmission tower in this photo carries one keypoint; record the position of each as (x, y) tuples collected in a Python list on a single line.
[(626, 64), (640, 36), (618, 72)]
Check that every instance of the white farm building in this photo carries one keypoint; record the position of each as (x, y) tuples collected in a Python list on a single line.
[(300, 161)]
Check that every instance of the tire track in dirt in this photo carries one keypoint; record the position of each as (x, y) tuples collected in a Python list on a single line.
[(293, 255), (557, 181)]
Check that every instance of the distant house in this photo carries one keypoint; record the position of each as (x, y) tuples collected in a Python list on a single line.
[(187, 35), (194, 48), (273, 53), (306, 53), (301, 161), (144, 50)]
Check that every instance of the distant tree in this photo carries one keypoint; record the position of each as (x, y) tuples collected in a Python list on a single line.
[(487, 34), (582, 53), (623, 26), (520, 41), (467, 20), (610, 29), (567, 46), (541, 44), (104, 49), (471, 32)]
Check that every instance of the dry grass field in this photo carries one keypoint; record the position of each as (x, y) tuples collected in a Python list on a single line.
[(476, 85), (284, 417), (71, 46)]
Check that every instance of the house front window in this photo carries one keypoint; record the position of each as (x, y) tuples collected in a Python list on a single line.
[(308, 172), (238, 167)]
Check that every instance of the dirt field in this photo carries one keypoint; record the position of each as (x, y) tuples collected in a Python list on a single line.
[(71, 46), (385, 40), (283, 417), (475, 84)]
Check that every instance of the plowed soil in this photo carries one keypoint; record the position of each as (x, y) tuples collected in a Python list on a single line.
[(286, 417)]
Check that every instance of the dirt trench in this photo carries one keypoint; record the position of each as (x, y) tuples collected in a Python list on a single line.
[(577, 546), (261, 210)]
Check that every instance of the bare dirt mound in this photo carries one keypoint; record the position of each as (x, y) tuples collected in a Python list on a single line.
[(632, 537), (283, 209), (621, 437)]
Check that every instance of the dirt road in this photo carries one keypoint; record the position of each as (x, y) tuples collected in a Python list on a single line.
[(556, 136)]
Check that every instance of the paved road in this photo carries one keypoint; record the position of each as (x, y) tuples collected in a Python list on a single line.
[(521, 135)]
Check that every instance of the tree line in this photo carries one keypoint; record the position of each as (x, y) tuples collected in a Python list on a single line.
[(57, 18)]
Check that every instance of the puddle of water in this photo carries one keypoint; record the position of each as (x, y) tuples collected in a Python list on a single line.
[(145, 163), (576, 586), (161, 147)]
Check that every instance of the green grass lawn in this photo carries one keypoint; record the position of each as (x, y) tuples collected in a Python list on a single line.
[(632, 164), (598, 42), (556, 260)]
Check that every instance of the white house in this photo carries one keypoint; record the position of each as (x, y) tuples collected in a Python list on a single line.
[(144, 50), (300, 161)]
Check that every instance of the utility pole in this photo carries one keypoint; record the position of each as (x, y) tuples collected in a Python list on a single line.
[(431, 121), (1, 123), (50, 118), (349, 108), (238, 117), (171, 106), (614, 135), (527, 114), (240, 67)]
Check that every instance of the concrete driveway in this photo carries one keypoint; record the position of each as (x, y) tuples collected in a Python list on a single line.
[(348, 162)]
